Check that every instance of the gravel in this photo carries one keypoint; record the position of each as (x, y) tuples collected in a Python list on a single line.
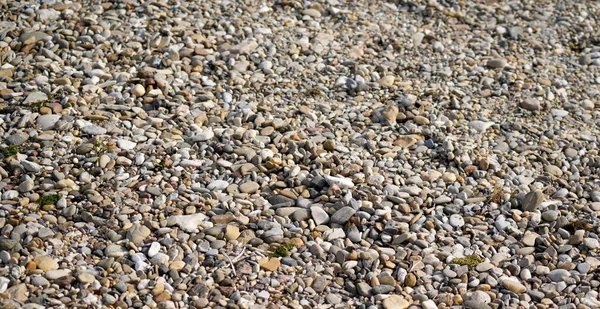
[(299, 154)]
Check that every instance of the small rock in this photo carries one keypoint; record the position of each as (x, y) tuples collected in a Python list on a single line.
[(498, 63), (531, 104)]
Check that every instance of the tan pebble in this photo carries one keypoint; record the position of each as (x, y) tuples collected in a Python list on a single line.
[(85, 278), (232, 232), (386, 81), (390, 113), (164, 296), (45, 263), (395, 302), (138, 90), (514, 286), (420, 120), (177, 265), (271, 264), (158, 288)]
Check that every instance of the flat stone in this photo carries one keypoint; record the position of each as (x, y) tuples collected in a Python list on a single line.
[(188, 223), (342, 215), (532, 201), (93, 130), (17, 139), (232, 232), (218, 185), (35, 97), (395, 302), (45, 263), (271, 264), (126, 144), (85, 278), (319, 215), (56, 274), (138, 233), (342, 182), (47, 122), (249, 187), (320, 283), (428, 304)]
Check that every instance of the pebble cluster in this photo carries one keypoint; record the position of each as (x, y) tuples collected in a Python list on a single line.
[(299, 154)]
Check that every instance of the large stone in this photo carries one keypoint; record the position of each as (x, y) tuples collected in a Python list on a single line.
[(558, 275), (271, 264), (45, 263), (395, 302), (47, 122), (249, 187), (514, 286), (530, 104), (498, 63), (532, 201), (138, 233), (319, 215), (232, 232), (343, 215), (188, 223), (35, 97)]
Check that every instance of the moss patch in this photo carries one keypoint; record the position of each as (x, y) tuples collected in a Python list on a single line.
[(283, 250), (10, 150), (49, 199), (471, 260)]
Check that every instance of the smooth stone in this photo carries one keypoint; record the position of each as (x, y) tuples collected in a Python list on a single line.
[(56, 274), (94, 130), (514, 286), (530, 104), (249, 187), (558, 275), (497, 63), (395, 302), (126, 144), (218, 185), (550, 215), (271, 264), (342, 215)]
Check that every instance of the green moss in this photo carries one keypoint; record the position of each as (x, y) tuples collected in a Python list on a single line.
[(283, 250), (471, 260), (10, 150), (49, 199)]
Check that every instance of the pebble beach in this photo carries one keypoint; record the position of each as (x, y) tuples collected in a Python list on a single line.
[(283, 154)]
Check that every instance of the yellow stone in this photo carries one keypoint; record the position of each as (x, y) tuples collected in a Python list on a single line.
[(271, 264)]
